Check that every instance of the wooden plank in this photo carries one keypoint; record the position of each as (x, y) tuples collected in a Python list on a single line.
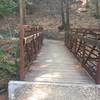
[(28, 39)]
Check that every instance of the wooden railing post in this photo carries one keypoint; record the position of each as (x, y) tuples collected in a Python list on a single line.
[(22, 63), (98, 70), (29, 46)]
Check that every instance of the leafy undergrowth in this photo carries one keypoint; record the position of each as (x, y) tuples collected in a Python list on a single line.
[(7, 73), (8, 65)]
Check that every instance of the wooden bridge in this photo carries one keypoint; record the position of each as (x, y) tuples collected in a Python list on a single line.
[(59, 70), (75, 61)]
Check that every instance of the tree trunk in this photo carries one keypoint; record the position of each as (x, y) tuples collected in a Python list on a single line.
[(67, 15), (97, 9), (22, 11), (67, 21), (62, 13), (87, 3)]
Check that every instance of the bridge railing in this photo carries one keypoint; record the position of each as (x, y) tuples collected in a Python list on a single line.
[(85, 45), (31, 40)]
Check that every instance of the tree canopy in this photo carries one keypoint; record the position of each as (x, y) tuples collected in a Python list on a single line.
[(7, 6)]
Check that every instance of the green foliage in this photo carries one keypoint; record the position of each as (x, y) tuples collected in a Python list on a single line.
[(9, 66), (4, 33), (34, 22), (2, 52), (6, 6)]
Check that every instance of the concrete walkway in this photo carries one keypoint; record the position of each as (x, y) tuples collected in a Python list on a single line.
[(55, 64)]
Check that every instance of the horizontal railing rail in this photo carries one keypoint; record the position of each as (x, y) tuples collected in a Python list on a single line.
[(85, 45), (31, 40)]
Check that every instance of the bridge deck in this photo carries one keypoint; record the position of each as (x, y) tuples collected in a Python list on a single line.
[(55, 64)]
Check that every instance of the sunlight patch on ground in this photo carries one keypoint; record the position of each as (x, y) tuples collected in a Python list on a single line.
[(38, 94), (48, 77), (55, 55), (84, 2), (49, 60), (43, 66), (78, 66), (83, 7)]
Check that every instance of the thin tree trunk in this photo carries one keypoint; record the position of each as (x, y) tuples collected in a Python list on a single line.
[(62, 13), (87, 3), (67, 15), (67, 20), (97, 9), (22, 11)]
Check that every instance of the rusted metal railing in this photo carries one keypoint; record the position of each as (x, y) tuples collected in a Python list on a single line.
[(85, 45), (31, 40)]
